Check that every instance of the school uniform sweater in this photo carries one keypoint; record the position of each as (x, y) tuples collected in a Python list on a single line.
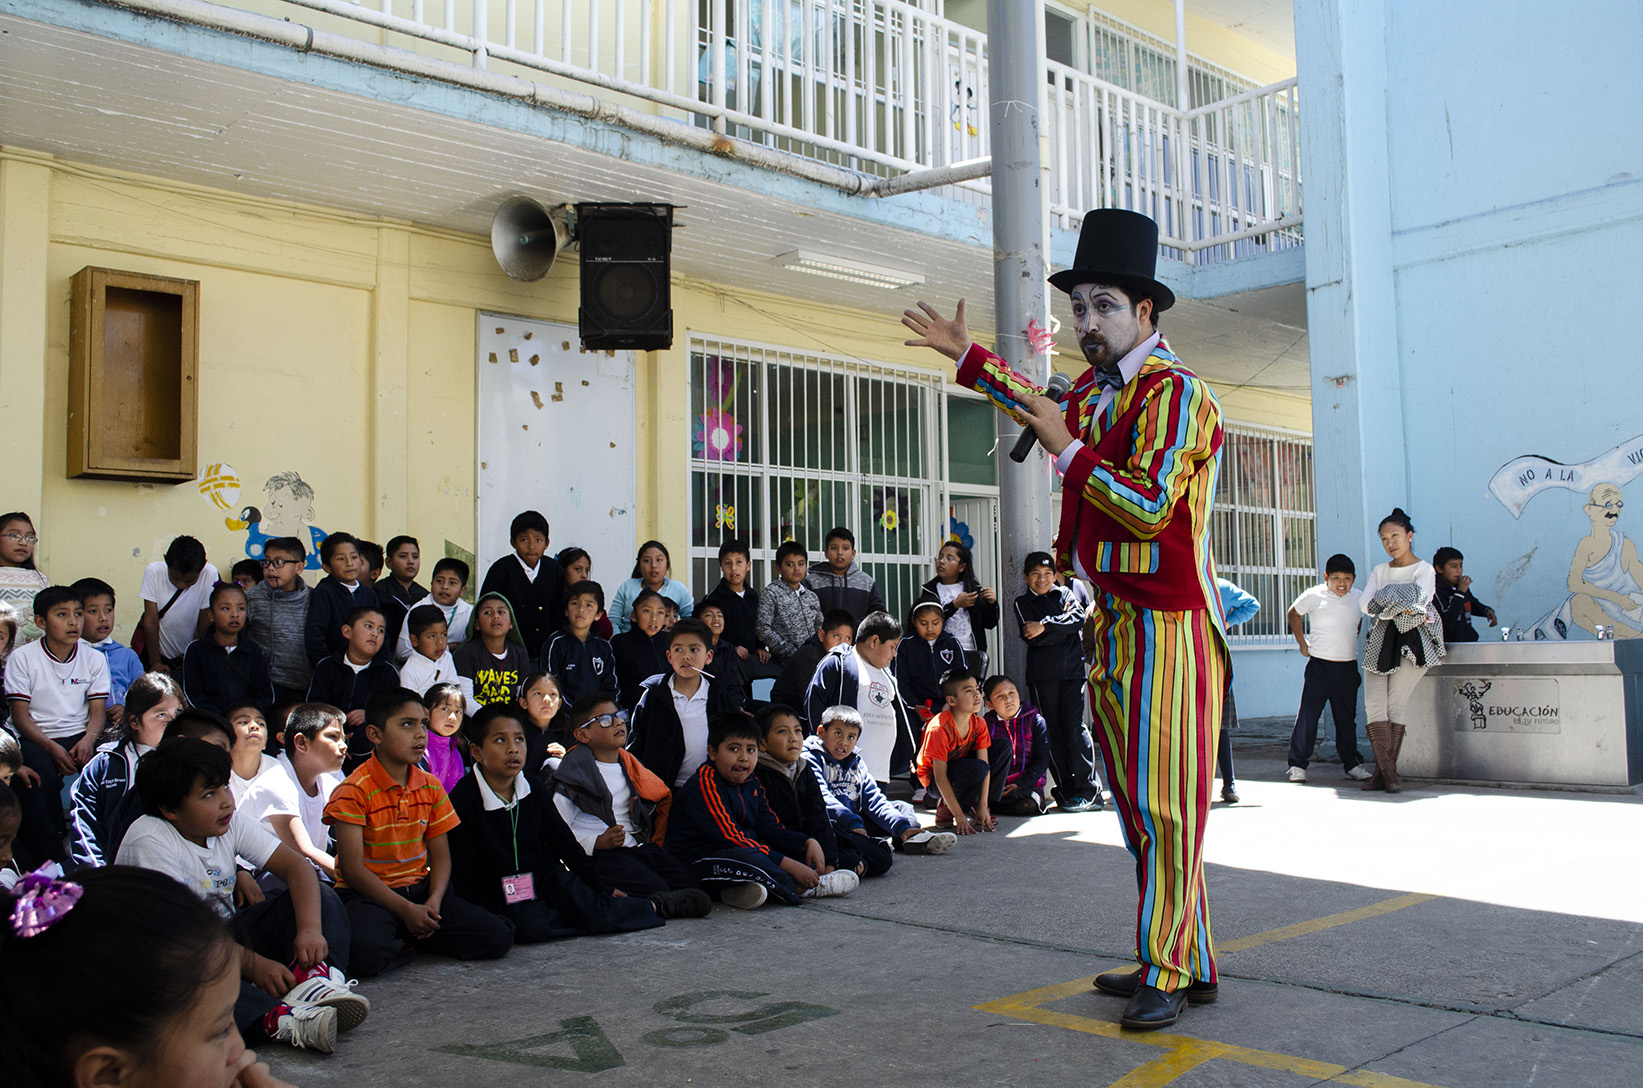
[(712, 814), (277, 621), (485, 847), (656, 736), (797, 671), (797, 797), (741, 612), (726, 669), (215, 678), (1028, 736), (538, 604), (919, 665), (1057, 653), (851, 792), (329, 604), (95, 799), (336, 682), (582, 665), (983, 614), (638, 657)]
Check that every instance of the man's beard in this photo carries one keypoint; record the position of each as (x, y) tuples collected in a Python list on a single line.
[(1098, 352)]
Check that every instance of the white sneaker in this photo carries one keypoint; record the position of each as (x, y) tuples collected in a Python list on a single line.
[(930, 842), (310, 1027), (746, 896), (1359, 774), (334, 992), (1298, 774), (838, 882)]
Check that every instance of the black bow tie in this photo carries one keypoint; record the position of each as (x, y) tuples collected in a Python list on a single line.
[(1109, 377)]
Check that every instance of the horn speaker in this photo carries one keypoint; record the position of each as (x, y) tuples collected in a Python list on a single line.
[(526, 238)]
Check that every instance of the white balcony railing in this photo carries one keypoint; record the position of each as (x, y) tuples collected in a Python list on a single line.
[(884, 87)]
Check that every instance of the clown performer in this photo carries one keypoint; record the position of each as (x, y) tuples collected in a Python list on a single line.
[(1138, 447)]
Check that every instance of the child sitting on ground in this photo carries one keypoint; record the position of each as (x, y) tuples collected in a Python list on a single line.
[(291, 991), (923, 656), (862, 815), (493, 661), (276, 617), (11, 819), (348, 679), (225, 667), (670, 724), (583, 661), (250, 749), (443, 757), (445, 591), (953, 760), (617, 811), (789, 610), (543, 702), (67, 1008), (722, 826), (837, 628), (97, 628), (1017, 728), (726, 670), (791, 786), (153, 700), (292, 804), (512, 853), (858, 675), (430, 662), (390, 819), (334, 599), (57, 687), (640, 652)]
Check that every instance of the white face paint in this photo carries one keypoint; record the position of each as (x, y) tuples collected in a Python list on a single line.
[(1107, 322)]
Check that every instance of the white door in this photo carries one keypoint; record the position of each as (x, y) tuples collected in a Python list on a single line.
[(556, 434)]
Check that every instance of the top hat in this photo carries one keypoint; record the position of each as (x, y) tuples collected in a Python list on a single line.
[(1119, 248)]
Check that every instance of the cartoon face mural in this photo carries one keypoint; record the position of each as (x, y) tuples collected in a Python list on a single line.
[(287, 510)]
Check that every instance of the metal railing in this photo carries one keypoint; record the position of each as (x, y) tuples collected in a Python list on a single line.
[(883, 87)]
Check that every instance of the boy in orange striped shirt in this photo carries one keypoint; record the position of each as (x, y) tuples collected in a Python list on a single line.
[(390, 819)]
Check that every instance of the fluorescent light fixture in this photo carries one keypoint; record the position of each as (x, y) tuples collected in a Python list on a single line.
[(850, 271)]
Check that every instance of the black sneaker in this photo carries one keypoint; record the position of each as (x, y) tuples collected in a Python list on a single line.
[(689, 903), (1081, 804)]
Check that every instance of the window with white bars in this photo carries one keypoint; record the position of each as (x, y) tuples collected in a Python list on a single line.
[(787, 444), (1263, 527)]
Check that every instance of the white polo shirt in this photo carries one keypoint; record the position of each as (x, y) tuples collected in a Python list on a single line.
[(57, 692), (1334, 622), (692, 711)]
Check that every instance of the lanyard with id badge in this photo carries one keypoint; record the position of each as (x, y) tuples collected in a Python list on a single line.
[(520, 887)]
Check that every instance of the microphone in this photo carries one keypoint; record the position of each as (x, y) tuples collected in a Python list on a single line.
[(1059, 384)]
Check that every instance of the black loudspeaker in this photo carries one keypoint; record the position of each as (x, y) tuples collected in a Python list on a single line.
[(627, 296)]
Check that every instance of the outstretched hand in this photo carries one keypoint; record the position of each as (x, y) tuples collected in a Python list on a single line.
[(950, 336)]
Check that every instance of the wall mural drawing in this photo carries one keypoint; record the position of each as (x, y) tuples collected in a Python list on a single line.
[(287, 510)]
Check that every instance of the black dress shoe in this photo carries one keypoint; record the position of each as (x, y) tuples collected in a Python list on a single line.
[(1152, 1008), (1123, 983)]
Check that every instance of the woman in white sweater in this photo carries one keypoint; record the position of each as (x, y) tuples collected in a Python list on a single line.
[(1405, 640)]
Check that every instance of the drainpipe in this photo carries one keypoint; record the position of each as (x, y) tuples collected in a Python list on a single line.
[(1183, 89), (1015, 78), (307, 39)]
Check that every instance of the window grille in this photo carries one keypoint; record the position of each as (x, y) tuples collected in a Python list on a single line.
[(1123, 54), (786, 444), (1263, 526)]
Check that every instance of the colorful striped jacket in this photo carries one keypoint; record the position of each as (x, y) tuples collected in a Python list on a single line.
[(1143, 482), (712, 814)]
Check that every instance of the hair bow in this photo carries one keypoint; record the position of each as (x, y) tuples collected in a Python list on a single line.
[(42, 900)]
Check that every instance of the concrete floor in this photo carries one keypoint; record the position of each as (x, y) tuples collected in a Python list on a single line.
[(1443, 936)]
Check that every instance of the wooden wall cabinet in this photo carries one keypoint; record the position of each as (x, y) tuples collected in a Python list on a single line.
[(133, 376)]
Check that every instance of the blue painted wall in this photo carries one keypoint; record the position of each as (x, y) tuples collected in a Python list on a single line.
[(1474, 215)]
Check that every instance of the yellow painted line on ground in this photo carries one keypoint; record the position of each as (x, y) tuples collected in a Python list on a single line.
[(1316, 925), (1183, 1054)]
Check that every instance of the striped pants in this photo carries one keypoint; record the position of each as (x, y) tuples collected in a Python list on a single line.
[(1157, 680)]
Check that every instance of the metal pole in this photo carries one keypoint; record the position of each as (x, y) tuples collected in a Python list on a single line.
[(1183, 93), (1015, 81)]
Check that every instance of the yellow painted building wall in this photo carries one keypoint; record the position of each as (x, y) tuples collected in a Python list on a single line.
[(335, 346)]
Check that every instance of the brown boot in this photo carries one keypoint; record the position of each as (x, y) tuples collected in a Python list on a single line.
[(1394, 745), (1379, 734)]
